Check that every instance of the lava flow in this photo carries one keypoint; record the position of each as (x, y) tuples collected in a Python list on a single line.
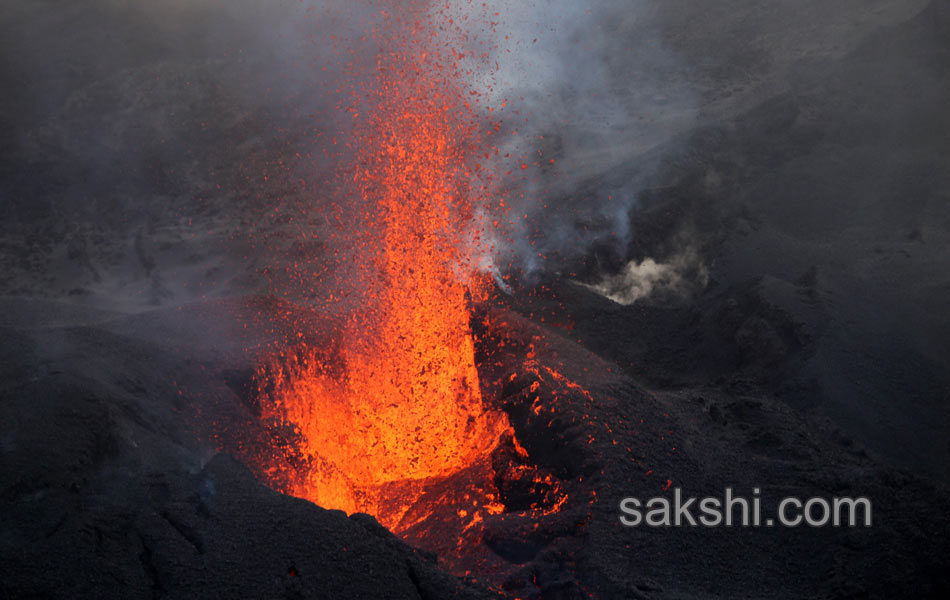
[(396, 397)]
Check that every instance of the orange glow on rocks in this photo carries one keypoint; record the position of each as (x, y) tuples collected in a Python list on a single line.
[(395, 400)]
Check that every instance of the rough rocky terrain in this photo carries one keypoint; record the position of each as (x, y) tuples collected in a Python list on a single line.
[(787, 167)]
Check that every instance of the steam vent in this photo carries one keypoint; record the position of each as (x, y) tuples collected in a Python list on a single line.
[(536, 300)]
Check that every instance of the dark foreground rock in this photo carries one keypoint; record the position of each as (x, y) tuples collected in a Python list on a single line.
[(104, 494), (111, 486)]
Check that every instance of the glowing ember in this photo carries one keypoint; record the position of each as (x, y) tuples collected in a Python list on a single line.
[(398, 398)]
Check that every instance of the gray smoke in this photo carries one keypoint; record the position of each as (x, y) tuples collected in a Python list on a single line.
[(589, 89), (643, 279), (156, 153), (610, 90), (120, 118)]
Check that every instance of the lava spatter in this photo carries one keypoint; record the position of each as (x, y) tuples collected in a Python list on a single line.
[(396, 397)]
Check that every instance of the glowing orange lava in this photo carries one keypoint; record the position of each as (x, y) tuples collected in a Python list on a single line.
[(398, 398)]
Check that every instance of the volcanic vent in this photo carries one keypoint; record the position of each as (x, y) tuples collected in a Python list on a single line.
[(391, 397), (410, 394)]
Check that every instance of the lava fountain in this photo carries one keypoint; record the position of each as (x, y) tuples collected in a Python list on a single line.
[(394, 400)]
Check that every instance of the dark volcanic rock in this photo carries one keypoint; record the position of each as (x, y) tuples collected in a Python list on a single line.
[(702, 439), (103, 495), (160, 162), (107, 488)]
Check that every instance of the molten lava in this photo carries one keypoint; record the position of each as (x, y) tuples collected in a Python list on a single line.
[(397, 397)]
